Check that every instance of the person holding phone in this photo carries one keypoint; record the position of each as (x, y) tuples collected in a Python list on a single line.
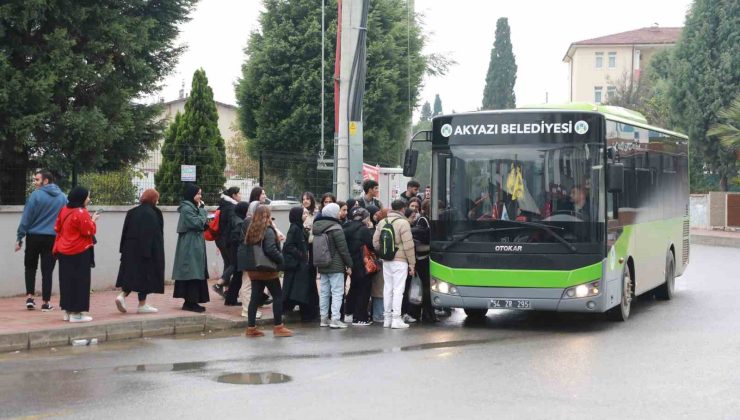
[(190, 266)]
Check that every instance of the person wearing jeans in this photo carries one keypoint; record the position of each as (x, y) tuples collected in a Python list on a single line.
[(332, 275), (37, 226), (396, 271)]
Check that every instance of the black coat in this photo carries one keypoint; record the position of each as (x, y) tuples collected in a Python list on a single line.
[(225, 222), (142, 251), (297, 287), (358, 234)]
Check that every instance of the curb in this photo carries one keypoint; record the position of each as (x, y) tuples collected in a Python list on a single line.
[(723, 241), (120, 331)]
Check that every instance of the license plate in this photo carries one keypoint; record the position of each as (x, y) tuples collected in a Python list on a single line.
[(509, 304)]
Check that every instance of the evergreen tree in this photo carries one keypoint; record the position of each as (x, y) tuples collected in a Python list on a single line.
[(71, 71), (280, 89), (501, 76), (437, 105), (426, 112), (194, 139), (705, 78)]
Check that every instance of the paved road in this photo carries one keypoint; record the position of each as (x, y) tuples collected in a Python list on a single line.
[(670, 360)]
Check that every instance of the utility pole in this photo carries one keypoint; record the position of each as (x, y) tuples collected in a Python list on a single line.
[(353, 67)]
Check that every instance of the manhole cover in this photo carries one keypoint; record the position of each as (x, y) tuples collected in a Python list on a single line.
[(254, 378)]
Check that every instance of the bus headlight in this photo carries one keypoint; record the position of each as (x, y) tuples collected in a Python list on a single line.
[(440, 286), (582, 290)]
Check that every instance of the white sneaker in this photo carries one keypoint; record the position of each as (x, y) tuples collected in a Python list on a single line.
[(348, 319), (324, 322), (398, 324), (387, 322), (66, 316), (408, 318), (121, 302), (258, 315), (146, 309), (79, 318), (337, 324)]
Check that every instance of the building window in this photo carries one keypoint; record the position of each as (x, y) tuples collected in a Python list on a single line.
[(610, 92), (612, 60), (599, 60), (597, 94)]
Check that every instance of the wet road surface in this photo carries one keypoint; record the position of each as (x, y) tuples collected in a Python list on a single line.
[(678, 359)]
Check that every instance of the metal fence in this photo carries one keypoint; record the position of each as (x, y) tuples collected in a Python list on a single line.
[(283, 175)]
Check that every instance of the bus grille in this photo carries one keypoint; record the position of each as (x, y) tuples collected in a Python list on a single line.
[(685, 242)]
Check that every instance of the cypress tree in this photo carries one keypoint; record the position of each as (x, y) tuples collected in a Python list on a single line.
[(705, 78), (426, 112), (501, 76), (194, 139), (437, 105)]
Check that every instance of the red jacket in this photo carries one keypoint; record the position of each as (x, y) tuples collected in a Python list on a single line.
[(75, 229)]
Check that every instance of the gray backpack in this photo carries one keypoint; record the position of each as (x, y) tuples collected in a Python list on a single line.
[(322, 247)]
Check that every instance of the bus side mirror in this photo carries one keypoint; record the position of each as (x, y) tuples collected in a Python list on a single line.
[(616, 178), (409, 162)]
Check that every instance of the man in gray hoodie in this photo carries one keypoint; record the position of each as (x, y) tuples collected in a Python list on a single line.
[(37, 226), (332, 275)]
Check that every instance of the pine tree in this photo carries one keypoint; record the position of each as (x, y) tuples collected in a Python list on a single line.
[(194, 139), (705, 78), (501, 76), (426, 112), (437, 105)]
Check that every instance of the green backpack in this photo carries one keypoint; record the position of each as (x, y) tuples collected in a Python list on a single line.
[(388, 248)]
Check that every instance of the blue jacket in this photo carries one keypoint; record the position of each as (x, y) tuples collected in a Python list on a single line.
[(41, 211)]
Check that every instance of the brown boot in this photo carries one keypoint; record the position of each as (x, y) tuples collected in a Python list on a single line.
[(281, 331), (253, 332)]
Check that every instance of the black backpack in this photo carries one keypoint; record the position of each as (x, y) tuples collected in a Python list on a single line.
[(387, 247)]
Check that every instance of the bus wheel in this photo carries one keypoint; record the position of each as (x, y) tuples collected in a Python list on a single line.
[(476, 313), (621, 312), (665, 291)]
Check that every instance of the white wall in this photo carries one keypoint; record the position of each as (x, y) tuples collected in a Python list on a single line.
[(107, 256)]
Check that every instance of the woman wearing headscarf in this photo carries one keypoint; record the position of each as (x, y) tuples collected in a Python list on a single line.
[(232, 244), (298, 288), (226, 204), (190, 267), (73, 246), (142, 253)]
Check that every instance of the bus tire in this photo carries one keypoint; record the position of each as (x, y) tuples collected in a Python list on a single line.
[(476, 313), (621, 312), (666, 290)]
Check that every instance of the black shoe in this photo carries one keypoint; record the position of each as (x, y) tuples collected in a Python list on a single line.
[(30, 304), (218, 288), (46, 307), (199, 308), (267, 301), (193, 307), (237, 303)]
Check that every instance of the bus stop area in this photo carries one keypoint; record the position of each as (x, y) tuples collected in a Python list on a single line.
[(21, 329)]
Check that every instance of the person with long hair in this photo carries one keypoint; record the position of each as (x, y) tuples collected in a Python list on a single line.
[(262, 235), (421, 231), (142, 253), (73, 247), (190, 266), (245, 292), (327, 198), (359, 234), (258, 194)]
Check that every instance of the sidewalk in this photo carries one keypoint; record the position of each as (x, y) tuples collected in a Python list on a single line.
[(715, 237), (21, 329)]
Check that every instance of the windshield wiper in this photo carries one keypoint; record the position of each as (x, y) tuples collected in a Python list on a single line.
[(466, 233), (548, 229)]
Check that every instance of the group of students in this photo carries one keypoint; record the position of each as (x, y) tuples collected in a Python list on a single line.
[(335, 240)]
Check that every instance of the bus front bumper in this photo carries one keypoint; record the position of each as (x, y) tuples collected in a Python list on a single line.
[(538, 299)]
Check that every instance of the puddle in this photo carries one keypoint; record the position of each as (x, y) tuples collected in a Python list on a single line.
[(254, 378)]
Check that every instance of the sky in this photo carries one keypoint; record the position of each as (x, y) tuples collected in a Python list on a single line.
[(462, 30)]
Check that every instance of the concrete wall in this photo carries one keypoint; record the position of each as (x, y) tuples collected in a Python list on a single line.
[(107, 256), (699, 211)]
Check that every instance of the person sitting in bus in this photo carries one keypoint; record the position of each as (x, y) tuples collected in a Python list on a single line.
[(477, 208), (581, 206)]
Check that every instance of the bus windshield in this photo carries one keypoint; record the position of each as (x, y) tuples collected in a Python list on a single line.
[(533, 193)]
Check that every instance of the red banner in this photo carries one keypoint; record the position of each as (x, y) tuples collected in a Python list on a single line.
[(370, 172)]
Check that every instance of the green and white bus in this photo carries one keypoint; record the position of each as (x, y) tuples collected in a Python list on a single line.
[(578, 208)]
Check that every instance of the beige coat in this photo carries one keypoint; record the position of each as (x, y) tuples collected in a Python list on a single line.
[(404, 239)]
